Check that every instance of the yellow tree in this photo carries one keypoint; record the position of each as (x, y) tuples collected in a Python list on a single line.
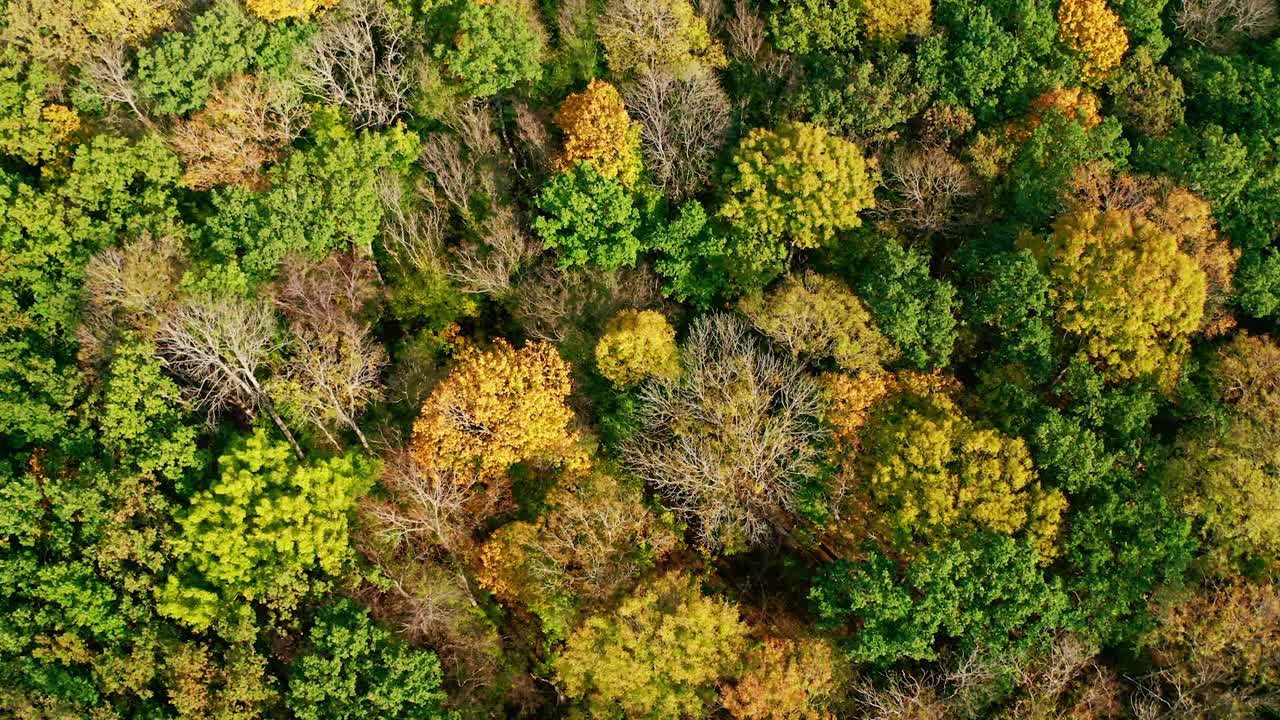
[(273, 10), (637, 344), (496, 409), (1090, 28), (798, 182), (1123, 286), (597, 130), (929, 472)]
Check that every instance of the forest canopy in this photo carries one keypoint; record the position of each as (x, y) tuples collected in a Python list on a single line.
[(643, 359)]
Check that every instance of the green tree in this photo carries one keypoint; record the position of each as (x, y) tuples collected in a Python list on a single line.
[(177, 74), (798, 183), (114, 187), (985, 591), (351, 668), (268, 531), (658, 655), (32, 128), (914, 310), (497, 45), (589, 219), (319, 201)]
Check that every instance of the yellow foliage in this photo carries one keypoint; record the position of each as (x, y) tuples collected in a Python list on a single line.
[(273, 10), (1122, 285), (1073, 103), (893, 21), (666, 36), (1190, 218), (495, 409), (930, 471), (67, 31), (1090, 28), (637, 344), (598, 130)]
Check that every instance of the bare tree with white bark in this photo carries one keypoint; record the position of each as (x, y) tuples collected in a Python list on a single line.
[(358, 60), (219, 345), (926, 185), (728, 444), (683, 124), (1221, 24)]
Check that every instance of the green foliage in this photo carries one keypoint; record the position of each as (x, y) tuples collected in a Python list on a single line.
[(320, 200), (497, 46), (177, 74), (1124, 543), (31, 128), (1045, 164), (985, 591), (869, 99), (589, 219), (915, 311), (351, 668), (692, 255), (993, 57), (269, 530), (47, 234)]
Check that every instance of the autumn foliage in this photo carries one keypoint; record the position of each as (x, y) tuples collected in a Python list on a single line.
[(597, 130), (495, 409), (1092, 29)]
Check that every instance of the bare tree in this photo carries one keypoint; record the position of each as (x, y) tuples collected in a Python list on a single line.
[(560, 305), (927, 184), (129, 288), (1221, 24), (246, 124), (683, 124), (427, 506), (107, 72), (413, 228), (358, 60), (219, 345), (488, 267), (334, 367), (728, 444)]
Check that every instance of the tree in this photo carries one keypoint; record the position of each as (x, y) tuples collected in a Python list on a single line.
[(246, 124), (268, 531), (728, 443), (179, 72), (589, 218), (31, 127), (496, 409), (928, 185), (683, 124), (637, 344), (357, 60), (219, 346), (932, 474), (1222, 24), (334, 367), (818, 317), (657, 36), (498, 45), (1213, 652), (915, 311), (70, 33), (1225, 475), (626, 660), (1091, 29), (984, 591), (784, 680), (799, 183), (598, 131), (801, 26), (1123, 287), (350, 667), (1148, 96), (274, 10), (595, 540)]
